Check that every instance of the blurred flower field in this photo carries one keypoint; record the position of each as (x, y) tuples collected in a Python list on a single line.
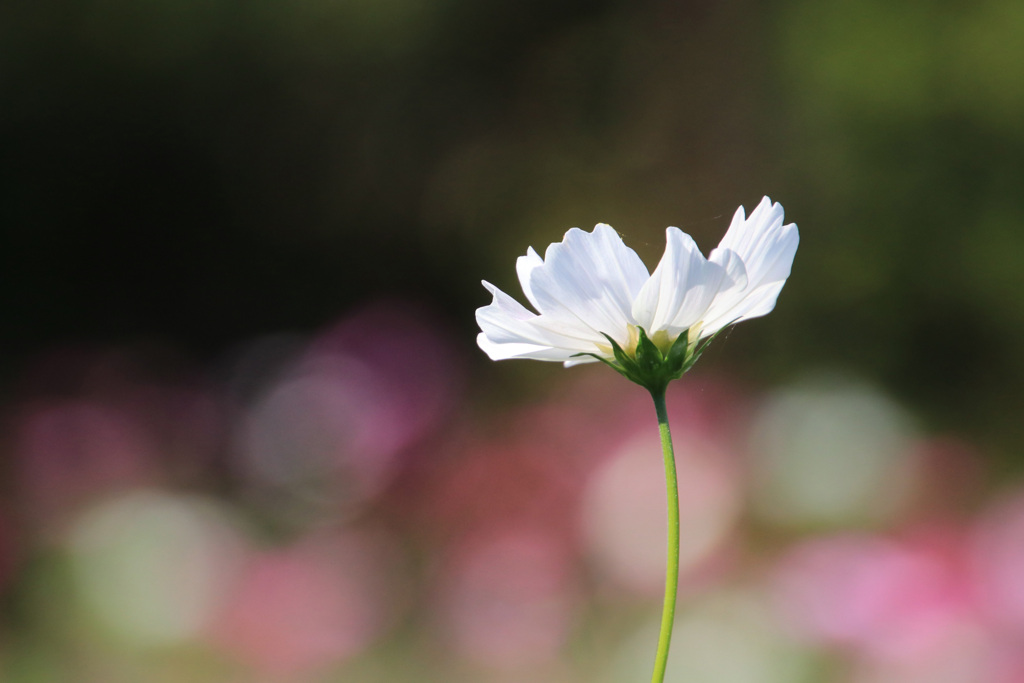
[(245, 435), (324, 509)]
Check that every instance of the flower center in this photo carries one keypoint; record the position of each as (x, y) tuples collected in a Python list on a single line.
[(661, 339)]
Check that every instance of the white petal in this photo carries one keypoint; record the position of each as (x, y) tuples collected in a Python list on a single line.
[(681, 288), (579, 360), (525, 266), (743, 232), (767, 248), (735, 269), (761, 241), (506, 321), (587, 283), (772, 260), (758, 302), (513, 350), (509, 330)]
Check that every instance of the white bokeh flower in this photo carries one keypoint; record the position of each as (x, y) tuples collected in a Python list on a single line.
[(591, 289)]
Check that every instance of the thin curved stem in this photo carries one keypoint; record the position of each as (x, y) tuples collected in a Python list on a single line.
[(668, 610)]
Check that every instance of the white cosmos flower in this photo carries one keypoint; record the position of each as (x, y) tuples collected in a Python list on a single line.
[(591, 284)]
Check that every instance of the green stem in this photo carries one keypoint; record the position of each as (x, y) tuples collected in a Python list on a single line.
[(668, 610)]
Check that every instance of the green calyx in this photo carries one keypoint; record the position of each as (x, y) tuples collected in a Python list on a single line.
[(649, 366)]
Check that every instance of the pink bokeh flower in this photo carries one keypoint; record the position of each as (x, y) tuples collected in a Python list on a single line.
[(939, 602), (508, 600), (311, 605), (337, 423)]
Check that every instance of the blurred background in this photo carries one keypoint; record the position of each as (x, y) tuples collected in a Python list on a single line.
[(247, 434)]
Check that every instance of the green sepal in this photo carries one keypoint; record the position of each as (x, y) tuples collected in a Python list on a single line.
[(649, 366), (649, 358), (680, 351), (620, 355), (612, 364)]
